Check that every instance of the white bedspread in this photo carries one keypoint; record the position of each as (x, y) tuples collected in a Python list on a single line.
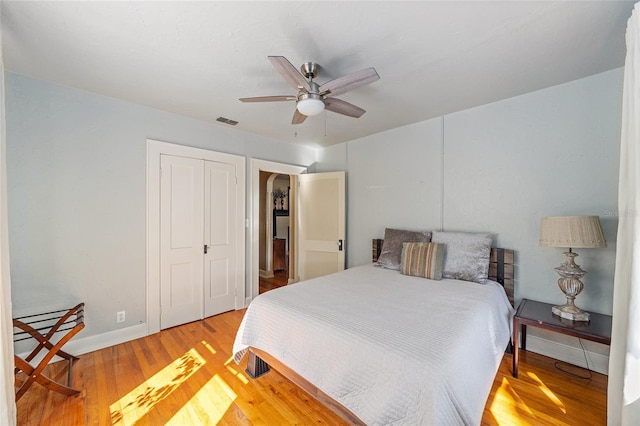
[(392, 349)]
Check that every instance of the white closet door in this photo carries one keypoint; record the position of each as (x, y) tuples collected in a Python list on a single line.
[(181, 240), (220, 217), (321, 224)]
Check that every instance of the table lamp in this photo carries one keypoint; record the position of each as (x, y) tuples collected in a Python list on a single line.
[(571, 232)]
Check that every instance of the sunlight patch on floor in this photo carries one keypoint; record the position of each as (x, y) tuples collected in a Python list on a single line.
[(208, 346), (507, 404), (239, 375), (552, 396), (137, 403), (208, 405)]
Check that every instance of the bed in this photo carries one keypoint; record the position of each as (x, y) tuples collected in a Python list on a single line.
[(380, 347)]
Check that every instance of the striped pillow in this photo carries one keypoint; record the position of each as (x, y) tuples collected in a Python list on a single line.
[(422, 260)]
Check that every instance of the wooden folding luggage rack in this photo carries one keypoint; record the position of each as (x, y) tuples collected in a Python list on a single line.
[(42, 327)]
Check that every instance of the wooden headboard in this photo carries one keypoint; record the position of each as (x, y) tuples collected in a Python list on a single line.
[(501, 266)]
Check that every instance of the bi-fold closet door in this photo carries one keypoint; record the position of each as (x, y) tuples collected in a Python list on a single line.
[(198, 241)]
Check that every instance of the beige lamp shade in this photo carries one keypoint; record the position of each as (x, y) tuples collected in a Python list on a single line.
[(572, 232)]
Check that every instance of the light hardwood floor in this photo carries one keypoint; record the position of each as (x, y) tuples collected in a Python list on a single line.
[(185, 376)]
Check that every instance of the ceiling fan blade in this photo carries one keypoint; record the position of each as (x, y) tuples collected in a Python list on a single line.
[(290, 73), (298, 117), (344, 108), (349, 82), (269, 98)]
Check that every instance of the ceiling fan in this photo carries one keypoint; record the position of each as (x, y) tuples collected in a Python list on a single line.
[(312, 98)]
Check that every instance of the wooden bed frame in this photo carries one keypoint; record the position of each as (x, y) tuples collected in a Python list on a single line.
[(264, 360), (501, 270)]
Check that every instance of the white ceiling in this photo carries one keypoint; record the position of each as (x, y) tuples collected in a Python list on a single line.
[(197, 58)]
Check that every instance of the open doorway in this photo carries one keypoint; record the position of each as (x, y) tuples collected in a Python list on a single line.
[(275, 230), (316, 222), (262, 221)]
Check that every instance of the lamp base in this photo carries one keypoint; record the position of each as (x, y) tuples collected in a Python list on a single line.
[(570, 312), (571, 286)]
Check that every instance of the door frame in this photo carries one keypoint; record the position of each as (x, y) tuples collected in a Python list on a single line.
[(154, 150), (268, 272), (256, 166)]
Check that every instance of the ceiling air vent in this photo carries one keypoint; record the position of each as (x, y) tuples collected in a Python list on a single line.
[(227, 121)]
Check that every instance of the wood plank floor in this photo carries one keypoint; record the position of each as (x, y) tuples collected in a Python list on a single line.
[(279, 279), (185, 375)]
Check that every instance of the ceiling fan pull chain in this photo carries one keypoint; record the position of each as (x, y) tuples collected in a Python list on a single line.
[(325, 124)]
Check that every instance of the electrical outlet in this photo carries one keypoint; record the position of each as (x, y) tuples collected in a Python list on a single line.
[(120, 316)]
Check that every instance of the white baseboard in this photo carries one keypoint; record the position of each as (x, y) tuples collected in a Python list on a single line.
[(265, 274), (573, 355), (80, 346), (104, 340), (247, 301)]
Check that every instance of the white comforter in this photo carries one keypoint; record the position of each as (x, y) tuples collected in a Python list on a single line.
[(392, 349)]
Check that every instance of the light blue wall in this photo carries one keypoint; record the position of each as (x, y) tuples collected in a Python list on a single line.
[(498, 168), (394, 180), (76, 193), (554, 152)]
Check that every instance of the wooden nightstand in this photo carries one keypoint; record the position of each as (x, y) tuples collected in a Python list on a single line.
[(538, 314)]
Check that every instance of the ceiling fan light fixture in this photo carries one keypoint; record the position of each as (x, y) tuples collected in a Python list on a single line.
[(312, 98), (310, 104)]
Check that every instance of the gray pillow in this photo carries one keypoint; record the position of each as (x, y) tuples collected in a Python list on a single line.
[(466, 255), (392, 245)]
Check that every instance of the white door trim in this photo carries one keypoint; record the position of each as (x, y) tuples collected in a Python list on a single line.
[(254, 230), (268, 271), (154, 150)]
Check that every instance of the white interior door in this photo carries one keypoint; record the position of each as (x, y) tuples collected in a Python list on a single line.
[(179, 191), (181, 240), (321, 223), (220, 278)]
